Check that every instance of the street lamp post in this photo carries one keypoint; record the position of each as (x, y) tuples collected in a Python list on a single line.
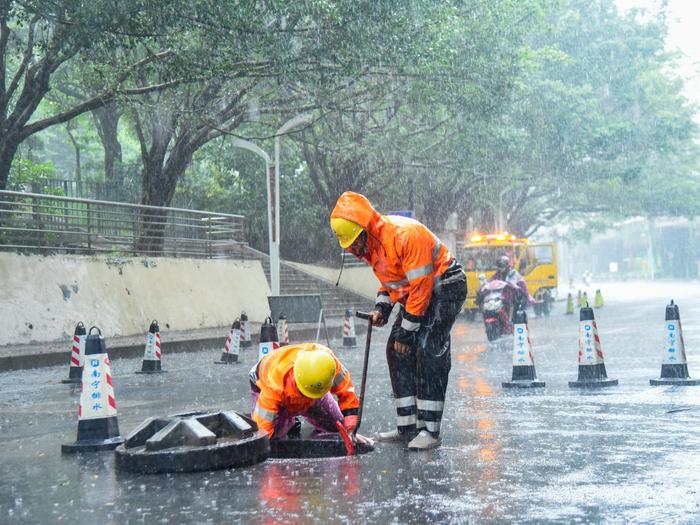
[(500, 209), (274, 270), (303, 118)]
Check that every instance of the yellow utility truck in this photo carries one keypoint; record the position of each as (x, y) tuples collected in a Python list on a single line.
[(536, 262)]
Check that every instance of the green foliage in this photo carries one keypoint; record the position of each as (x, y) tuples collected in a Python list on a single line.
[(549, 109), (33, 177)]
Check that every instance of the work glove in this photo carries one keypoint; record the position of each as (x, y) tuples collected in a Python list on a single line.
[(350, 423), (384, 311)]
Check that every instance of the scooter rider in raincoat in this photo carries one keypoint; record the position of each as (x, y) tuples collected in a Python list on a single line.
[(504, 272), (417, 271), (301, 380)]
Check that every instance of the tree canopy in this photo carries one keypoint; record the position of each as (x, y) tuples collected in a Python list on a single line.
[(541, 110)]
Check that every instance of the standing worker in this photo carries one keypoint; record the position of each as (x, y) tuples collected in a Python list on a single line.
[(301, 380), (417, 271)]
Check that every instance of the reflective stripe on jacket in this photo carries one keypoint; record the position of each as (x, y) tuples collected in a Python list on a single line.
[(405, 255), (274, 377)]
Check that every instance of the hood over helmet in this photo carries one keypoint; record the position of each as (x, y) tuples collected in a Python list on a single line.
[(355, 207)]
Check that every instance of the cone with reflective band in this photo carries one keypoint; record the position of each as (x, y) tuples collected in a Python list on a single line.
[(77, 355), (246, 341), (674, 366), (98, 428), (232, 345), (283, 329), (268, 338), (349, 336), (524, 375), (598, 299), (591, 363), (584, 300), (152, 353), (569, 305)]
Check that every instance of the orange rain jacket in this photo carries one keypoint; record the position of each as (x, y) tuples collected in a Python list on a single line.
[(405, 255), (278, 390)]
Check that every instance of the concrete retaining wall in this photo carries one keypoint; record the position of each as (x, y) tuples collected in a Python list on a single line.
[(42, 298), (359, 279)]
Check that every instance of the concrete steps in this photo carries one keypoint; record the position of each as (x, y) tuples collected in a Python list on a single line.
[(335, 300)]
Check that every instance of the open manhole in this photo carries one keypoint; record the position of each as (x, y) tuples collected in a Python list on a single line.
[(193, 442), (329, 445)]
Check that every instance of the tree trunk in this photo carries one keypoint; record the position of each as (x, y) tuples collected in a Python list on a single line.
[(158, 189), (76, 147), (107, 120), (8, 148)]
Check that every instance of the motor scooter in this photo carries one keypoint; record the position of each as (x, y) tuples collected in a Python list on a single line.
[(496, 300)]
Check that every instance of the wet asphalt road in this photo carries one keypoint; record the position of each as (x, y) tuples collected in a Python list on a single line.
[(625, 454)]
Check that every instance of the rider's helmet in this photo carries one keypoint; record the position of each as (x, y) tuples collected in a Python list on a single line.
[(503, 262)]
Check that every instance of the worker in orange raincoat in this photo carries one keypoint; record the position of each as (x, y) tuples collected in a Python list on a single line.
[(302, 380), (417, 271)]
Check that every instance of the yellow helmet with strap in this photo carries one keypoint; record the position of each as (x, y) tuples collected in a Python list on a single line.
[(346, 231), (314, 370)]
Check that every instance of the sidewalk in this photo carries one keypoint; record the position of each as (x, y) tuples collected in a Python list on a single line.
[(35, 355)]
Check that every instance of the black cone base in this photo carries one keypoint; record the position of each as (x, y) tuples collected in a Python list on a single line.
[(246, 344), (674, 381), (523, 383), (75, 375), (593, 383), (349, 342), (227, 359), (150, 367), (92, 445)]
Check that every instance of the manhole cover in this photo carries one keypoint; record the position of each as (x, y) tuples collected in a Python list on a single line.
[(193, 442)]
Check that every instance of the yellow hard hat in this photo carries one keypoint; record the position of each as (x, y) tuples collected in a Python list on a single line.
[(346, 231), (314, 371)]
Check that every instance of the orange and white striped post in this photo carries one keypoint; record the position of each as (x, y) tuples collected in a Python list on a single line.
[(524, 375), (75, 372), (246, 340), (591, 363), (232, 345), (674, 366), (98, 428), (152, 353), (283, 329), (349, 336)]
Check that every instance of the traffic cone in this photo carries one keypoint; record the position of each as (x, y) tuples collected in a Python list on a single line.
[(591, 363), (569, 304), (584, 300), (349, 337), (232, 345), (598, 299), (246, 341), (75, 372), (152, 352), (283, 329), (268, 338), (579, 299), (98, 428), (674, 367), (524, 375)]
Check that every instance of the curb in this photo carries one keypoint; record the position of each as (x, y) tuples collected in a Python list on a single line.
[(118, 351)]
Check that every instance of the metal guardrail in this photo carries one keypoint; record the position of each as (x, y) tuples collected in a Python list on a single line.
[(38, 223)]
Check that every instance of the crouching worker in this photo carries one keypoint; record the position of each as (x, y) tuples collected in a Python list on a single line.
[(303, 380)]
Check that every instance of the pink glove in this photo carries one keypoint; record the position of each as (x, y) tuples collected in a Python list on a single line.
[(350, 423)]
